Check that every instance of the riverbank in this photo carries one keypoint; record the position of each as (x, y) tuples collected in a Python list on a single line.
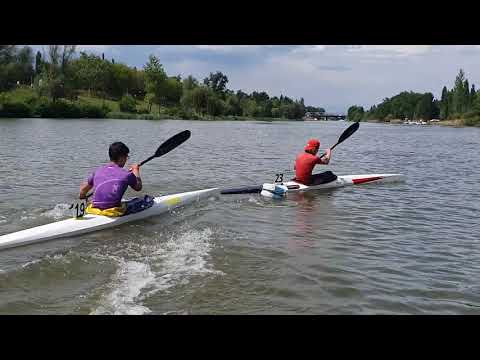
[(24, 102), (166, 116), (451, 123)]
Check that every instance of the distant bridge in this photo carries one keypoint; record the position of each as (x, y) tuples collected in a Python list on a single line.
[(323, 116)]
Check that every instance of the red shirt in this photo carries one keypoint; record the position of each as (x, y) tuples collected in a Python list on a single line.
[(304, 166)]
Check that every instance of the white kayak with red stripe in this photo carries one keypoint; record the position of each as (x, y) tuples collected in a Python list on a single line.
[(280, 190)]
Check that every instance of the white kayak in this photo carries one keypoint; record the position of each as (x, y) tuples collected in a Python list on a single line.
[(280, 190), (89, 223)]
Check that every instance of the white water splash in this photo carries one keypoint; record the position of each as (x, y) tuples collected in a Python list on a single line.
[(182, 258), (30, 263), (254, 200), (59, 211), (61, 258), (129, 281), (23, 218), (167, 264)]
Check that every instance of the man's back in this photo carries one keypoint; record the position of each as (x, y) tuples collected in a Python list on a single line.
[(110, 182), (304, 165)]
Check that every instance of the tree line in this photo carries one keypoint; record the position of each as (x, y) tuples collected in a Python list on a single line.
[(58, 76), (461, 102)]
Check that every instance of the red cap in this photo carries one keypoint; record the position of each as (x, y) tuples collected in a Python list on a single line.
[(312, 144)]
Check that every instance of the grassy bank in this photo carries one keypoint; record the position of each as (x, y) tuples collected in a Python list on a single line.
[(460, 122), (24, 102)]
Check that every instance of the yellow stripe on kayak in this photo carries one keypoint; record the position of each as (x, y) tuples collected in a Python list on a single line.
[(174, 201)]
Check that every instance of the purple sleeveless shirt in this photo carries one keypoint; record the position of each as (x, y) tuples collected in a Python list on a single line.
[(110, 183)]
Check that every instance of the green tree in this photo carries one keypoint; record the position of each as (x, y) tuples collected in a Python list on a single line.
[(444, 104), (155, 79), (127, 103), (120, 80), (138, 83), (187, 100), (25, 64), (91, 73), (172, 91), (149, 99), (38, 63), (16, 66), (472, 95), (205, 101), (233, 106), (466, 96), (476, 103), (355, 113), (260, 97), (57, 81), (400, 106), (314, 109), (276, 112), (436, 109), (425, 109), (251, 109), (7, 53), (199, 99), (241, 95), (216, 81), (189, 83), (459, 98), (215, 106)]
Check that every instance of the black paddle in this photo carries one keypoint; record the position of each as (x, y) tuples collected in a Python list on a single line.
[(169, 145), (166, 147), (345, 135)]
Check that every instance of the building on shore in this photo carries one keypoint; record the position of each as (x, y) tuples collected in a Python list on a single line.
[(317, 116)]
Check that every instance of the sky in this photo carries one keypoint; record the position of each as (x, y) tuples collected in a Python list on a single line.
[(330, 76)]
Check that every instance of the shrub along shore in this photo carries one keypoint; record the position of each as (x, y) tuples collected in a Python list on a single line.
[(459, 106), (23, 102), (61, 83)]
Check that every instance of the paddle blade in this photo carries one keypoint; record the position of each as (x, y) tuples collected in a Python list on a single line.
[(347, 133), (172, 143)]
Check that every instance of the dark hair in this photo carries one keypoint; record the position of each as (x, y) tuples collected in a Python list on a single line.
[(117, 150)]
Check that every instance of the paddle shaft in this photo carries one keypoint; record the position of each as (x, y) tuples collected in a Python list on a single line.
[(331, 148), (345, 135), (147, 160)]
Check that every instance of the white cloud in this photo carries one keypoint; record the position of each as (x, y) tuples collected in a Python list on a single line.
[(391, 50), (98, 49), (230, 48), (94, 47), (308, 49)]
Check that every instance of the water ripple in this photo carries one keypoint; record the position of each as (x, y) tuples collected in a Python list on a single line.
[(408, 248)]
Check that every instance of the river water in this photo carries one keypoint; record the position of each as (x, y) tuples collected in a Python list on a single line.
[(402, 248)]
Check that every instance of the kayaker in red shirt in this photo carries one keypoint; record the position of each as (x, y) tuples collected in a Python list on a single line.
[(307, 160)]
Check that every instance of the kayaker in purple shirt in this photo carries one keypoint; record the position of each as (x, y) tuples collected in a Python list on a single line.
[(111, 180)]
